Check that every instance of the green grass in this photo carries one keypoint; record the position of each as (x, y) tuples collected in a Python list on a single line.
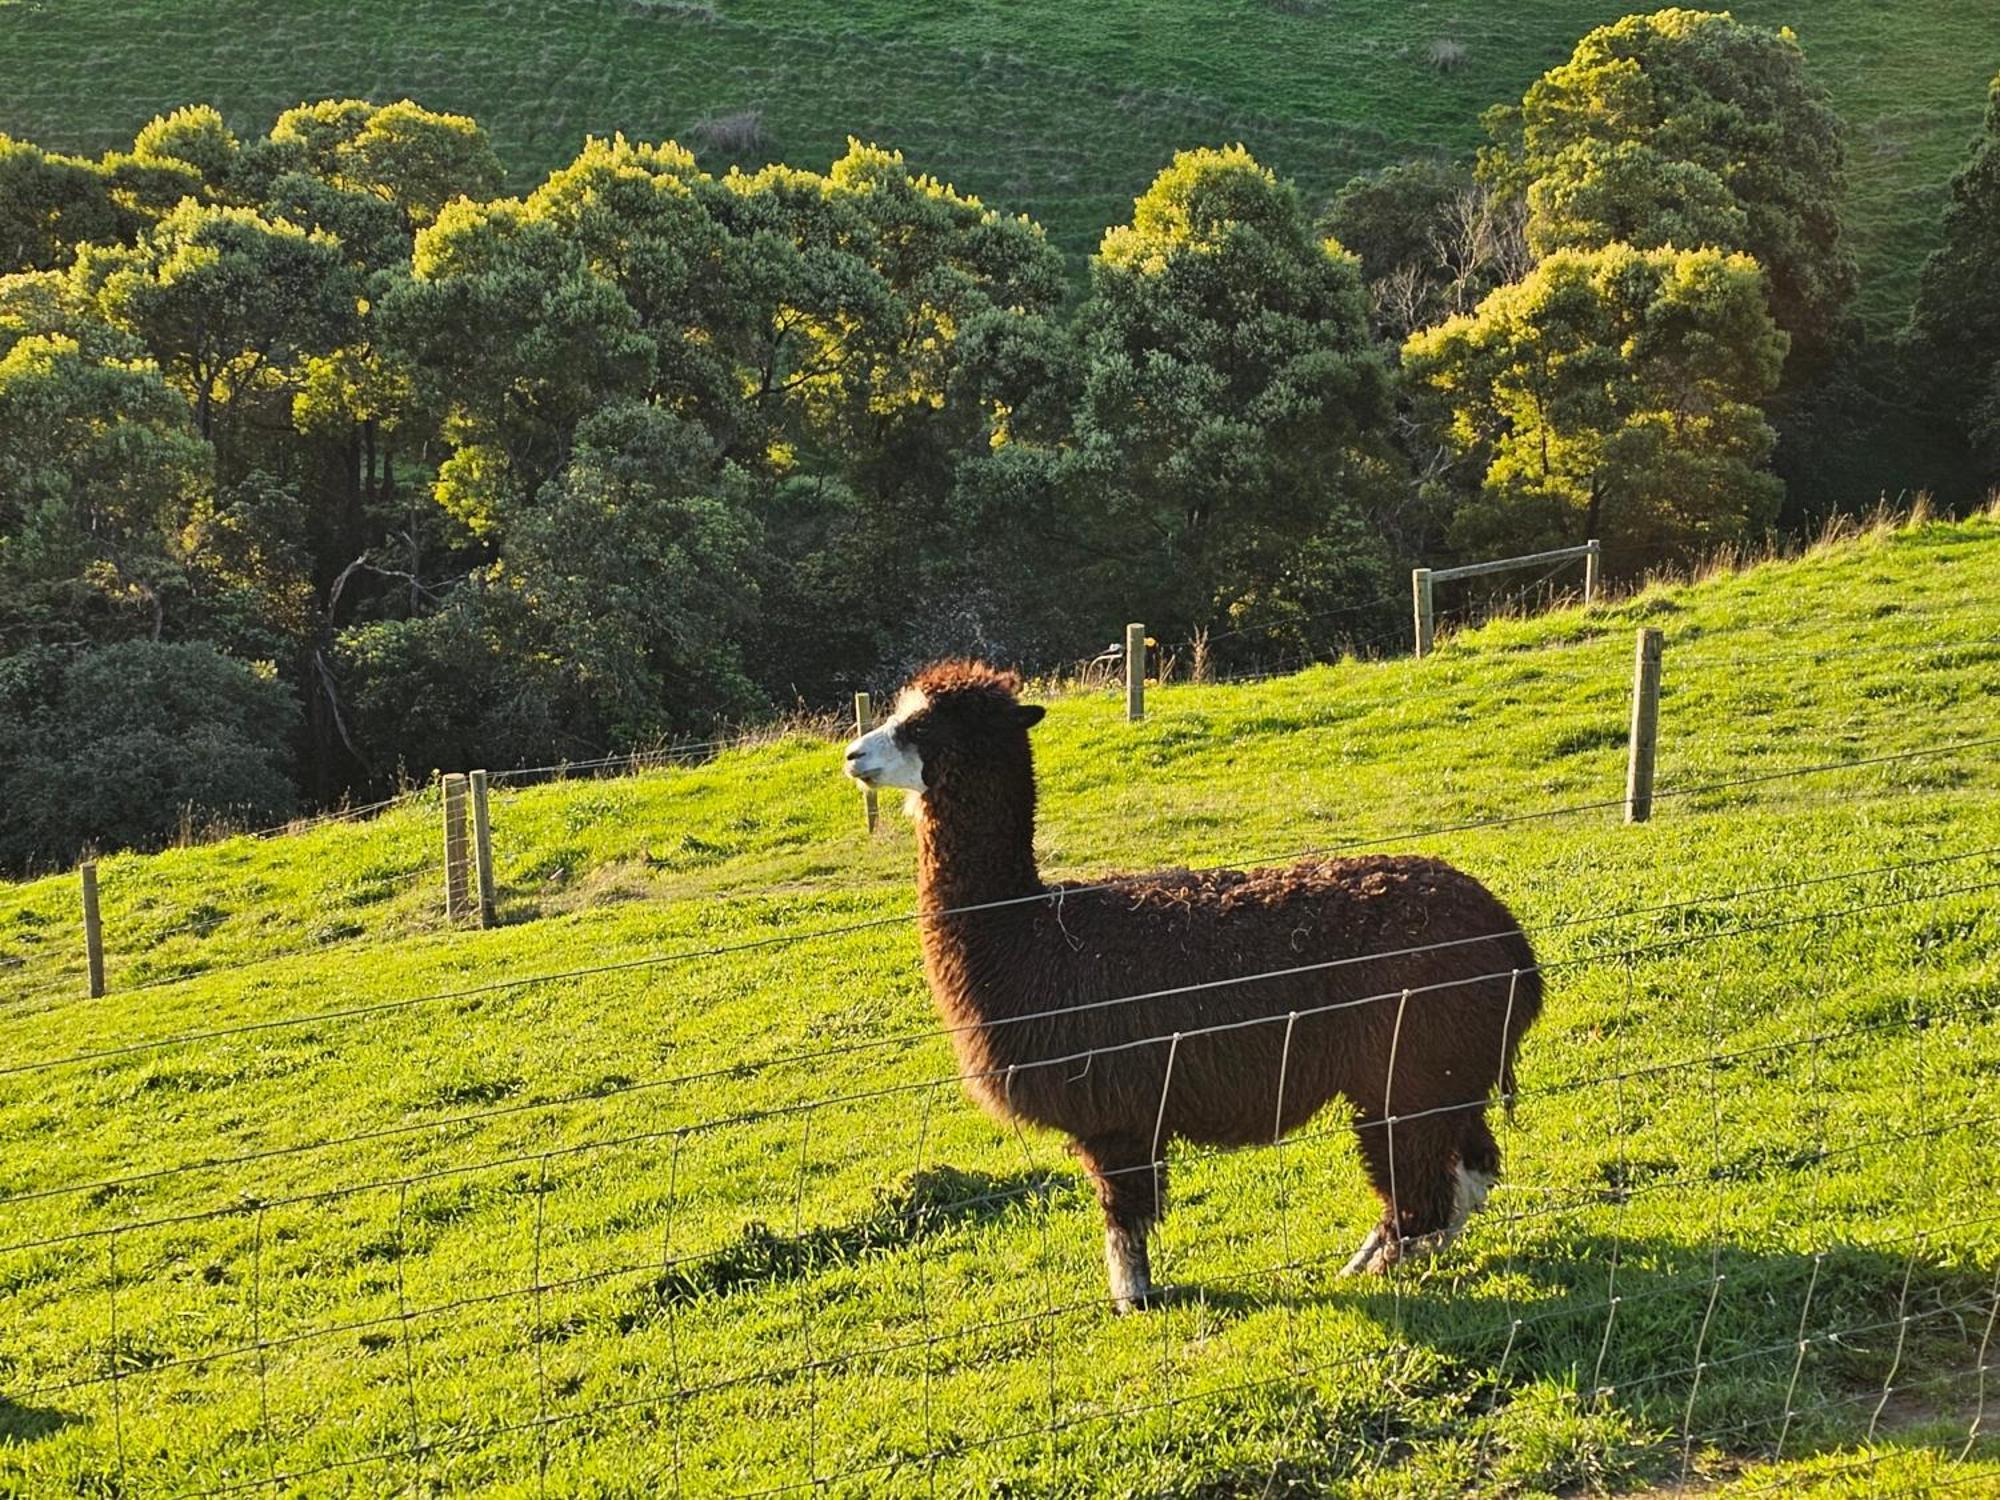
[(888, 1274), (1060, 111)]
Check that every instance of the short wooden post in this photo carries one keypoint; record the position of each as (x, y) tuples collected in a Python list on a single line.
[(1591, 561), (1645, 726), (456, 901), (93, 929), (1135, 673), (1420, 592), (864, 720), (482, 850)]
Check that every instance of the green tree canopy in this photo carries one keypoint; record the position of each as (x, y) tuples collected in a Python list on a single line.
[(1613, 394), (99, 470), (1957, 316), (229, 302), (415, 158), (1230, 395), (50, 204), (1689, 128), (126, 745)]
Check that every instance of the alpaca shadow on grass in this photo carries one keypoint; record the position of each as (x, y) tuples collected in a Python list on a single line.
[(28, 1424), (1493, 1328), (921, 1205), (1511, 1352)]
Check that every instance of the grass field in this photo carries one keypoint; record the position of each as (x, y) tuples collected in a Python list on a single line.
[(709, 1214), (1060, 111)]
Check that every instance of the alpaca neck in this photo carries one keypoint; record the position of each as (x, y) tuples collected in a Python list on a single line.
[(976, 843)]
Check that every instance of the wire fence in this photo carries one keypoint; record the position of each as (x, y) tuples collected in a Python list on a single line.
[(767, 1310), (505, 1290)]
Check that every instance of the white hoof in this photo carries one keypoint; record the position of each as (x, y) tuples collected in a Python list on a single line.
[(1131, 1274), (1370, 1258)]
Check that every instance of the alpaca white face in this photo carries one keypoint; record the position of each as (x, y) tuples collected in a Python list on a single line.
[(885, 758)]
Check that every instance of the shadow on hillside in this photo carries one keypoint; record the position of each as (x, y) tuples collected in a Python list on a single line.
[(923, 1204), (28, 1424)]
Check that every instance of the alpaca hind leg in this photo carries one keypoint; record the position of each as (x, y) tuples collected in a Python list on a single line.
[(1131, 1188), (1419, 1187)]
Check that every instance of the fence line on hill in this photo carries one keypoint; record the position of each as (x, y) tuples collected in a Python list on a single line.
[(688, 752), (867, 924), (1475, 1335)]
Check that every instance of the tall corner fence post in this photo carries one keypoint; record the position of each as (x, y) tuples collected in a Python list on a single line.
[(1645, 726), (1135, 673), (864, 720), (456, 900), (1592, 564), (482, 850), (93, 929), (1420, 598)]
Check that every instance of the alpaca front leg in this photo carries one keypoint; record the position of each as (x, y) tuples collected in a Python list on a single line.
[(1131, 1188), (1127, 1265)]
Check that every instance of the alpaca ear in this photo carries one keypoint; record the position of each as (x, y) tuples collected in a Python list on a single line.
[(1028, 715)]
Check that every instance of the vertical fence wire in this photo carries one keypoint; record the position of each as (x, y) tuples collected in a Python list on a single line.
[(403, 1319), (538, 1332), (1985, 1349), (669, 1294), (927, 1349), (1599, 1391), (263, 1362), (1717, 1195)]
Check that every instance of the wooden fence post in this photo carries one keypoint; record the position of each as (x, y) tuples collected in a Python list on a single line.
[(482, 850), (864, 720), (1645, 726), (1591, 561), (456, 902), (1420, 592), (1135, 673), (93, 929)]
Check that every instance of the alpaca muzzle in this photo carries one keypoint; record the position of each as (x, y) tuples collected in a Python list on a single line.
[(878, 759)]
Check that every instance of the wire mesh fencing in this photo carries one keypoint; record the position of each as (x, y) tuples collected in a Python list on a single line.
[(1728, 1230)]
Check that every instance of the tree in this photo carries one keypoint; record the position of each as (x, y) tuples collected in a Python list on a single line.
[(228, 301), (415, 158), (513, 340), (49, 204), (124, 746), (1229, 398), (1433, 239), (1612, 394), (1689, 128), (1957, 315), (99, 470), (614, 614), (195, 139)]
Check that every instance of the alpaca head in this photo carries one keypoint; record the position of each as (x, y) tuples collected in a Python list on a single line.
[(953, 718)]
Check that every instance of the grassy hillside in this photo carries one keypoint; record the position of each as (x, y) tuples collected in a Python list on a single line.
[(708, 1212), (1060, 111)]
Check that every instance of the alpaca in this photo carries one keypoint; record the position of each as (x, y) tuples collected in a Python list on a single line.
[(1217, 1007)]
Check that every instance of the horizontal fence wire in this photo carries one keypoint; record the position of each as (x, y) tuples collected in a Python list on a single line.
[(1065, 1059), (539, 1287), (1473, 1338), (689, 752), (913, 1038), (662, 1268), (1049, 897)]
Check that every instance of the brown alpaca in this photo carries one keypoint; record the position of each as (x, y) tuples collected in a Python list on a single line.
[(1222, 1007)]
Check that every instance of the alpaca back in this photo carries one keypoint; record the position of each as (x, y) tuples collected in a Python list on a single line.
[(1289, 976)]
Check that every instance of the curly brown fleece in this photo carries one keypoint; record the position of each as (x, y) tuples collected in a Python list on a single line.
[(1304, 974)]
